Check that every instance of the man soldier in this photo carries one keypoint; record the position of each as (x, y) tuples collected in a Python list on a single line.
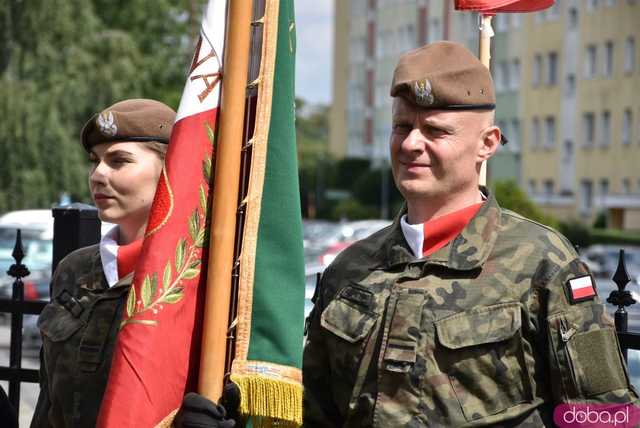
[(460, 313)]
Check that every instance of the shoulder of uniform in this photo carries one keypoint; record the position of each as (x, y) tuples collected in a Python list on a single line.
[(73, 266), (81, 255), (365, 251), (533, 227), (355, 262)]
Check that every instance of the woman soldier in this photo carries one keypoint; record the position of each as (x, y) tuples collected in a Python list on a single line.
[(126, 143)]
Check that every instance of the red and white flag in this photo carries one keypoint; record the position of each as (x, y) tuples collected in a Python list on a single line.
[(493, 6), (157, 353), (581, 288)]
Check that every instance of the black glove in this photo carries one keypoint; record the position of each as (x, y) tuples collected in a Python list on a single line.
[(199, 412)]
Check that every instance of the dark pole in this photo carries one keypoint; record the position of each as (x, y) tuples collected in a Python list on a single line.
[(621, 298), (18, 271)]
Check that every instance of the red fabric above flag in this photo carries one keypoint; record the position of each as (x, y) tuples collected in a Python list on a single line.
[(503, 5)]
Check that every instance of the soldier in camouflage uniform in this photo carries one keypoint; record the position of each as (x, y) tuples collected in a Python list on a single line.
[(80, 325), (495, 326)]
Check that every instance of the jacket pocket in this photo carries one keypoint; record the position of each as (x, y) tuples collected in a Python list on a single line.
[(349, 316), (585, 356), (57, 323), (482, 353), (404, 331)]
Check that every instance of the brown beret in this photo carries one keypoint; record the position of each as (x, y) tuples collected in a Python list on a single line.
[(129, 120), (443, 76)]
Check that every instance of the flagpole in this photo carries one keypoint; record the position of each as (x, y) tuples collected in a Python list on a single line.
[(484, 53), (225, 199)]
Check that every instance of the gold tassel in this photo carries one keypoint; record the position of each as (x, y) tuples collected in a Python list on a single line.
[(270, 402)]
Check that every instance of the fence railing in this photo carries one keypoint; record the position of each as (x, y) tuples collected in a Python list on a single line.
[(75, 226)]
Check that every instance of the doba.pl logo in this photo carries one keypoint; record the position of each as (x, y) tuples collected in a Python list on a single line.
[(596, 415)]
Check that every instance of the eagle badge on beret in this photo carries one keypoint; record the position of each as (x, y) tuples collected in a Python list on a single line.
[(106, 124), (422, 92)]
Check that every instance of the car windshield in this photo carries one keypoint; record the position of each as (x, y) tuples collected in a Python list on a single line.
[(38, 252)]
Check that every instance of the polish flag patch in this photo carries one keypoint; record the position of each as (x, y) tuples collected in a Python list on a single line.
[(581, 288)]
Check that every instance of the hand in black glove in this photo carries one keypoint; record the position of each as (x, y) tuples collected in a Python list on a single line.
[(200, 412)]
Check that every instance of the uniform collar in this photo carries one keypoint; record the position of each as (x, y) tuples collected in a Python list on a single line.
[(469, 250)]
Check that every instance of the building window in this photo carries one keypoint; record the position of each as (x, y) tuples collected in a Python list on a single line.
[(434, 31), (503, 127), (516, 19), (550, 132), (532, 187), (626, 186), (592, 5), (553, 11), (515, 73), (570, 89), (497, 78), (604, 187), (514, 136), (588, 129), (552, 68), (368, 131), (629, 54), (573, 18), (627, 126), (371, 39), (567, 156), (610, 3), (586, 196), (535, 133), (548, 187), (506, 79), (608, 59), (606, 128), (537, 69), (422, 25), (501, 22), (590, 62)]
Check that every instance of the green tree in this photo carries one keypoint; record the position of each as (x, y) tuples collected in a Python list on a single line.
[(315, 168), (511, 197), (61, 61)]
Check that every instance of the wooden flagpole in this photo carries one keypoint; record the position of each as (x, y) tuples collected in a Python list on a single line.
[(225, 199), (484, 53)]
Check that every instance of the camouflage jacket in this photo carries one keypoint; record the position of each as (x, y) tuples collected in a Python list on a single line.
[(480, 333), (79, 329)]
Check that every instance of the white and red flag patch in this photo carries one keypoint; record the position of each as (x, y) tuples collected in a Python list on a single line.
[(581, 288)]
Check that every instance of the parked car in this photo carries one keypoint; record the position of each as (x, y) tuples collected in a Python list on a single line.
[(603, 260)]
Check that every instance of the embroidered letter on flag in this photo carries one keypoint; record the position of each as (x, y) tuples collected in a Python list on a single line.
[(492, 6), (157, 352)]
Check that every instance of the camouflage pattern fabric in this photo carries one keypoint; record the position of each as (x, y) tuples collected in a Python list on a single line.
[(480, 333), (79, 329)]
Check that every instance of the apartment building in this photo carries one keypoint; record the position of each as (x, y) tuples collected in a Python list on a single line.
[(566, 80)]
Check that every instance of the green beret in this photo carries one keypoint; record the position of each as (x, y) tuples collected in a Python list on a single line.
[(443, 76), (129, 120)]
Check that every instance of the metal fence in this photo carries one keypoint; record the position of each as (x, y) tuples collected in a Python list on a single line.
[(77, 225)]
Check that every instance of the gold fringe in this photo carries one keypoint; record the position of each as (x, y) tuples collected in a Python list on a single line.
[(270, 402)]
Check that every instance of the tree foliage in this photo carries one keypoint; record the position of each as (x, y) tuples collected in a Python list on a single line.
[(511, 197), (63, 60)]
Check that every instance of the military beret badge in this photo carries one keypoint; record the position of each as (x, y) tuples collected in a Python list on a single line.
[(106, 124), (423, 93)]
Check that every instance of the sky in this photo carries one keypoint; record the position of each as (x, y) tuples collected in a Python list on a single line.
[(314, 50)]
